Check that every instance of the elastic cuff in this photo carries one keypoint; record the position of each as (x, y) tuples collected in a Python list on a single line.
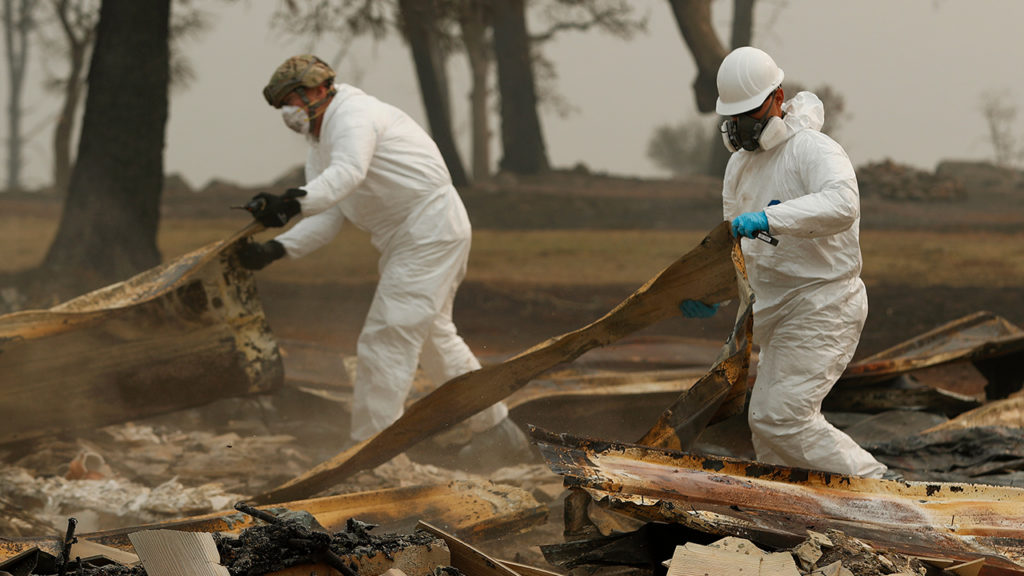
[(276, 249)]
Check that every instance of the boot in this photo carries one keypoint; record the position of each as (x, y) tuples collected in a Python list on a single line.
[(504, 444)]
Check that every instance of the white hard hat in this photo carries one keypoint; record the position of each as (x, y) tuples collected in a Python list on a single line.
[(746, 77)]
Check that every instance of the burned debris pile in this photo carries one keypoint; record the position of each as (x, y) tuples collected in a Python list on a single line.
[(675, 491)]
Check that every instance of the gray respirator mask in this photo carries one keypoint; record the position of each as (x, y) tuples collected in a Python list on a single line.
[(750, 133)]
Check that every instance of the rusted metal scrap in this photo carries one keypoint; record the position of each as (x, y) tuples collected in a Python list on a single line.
[(705, 273), (478, 510), (179, 335), (776, 505), (992, 344)]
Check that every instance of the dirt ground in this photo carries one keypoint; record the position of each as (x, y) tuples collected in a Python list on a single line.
[(501, 320)]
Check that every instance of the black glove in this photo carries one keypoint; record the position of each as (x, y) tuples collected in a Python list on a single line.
[(256, 255), (275, 211)]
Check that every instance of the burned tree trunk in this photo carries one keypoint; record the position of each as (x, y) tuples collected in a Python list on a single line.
[(79, 30), (420, 24), (694, 20), (524, 150), (109, 224), (474, 17)]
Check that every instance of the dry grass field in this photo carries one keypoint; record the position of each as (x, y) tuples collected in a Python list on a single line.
[(924, 263)]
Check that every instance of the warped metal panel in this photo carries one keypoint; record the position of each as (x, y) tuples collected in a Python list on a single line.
[(979, 338), (707, 272), (961, 521), (179, 335)]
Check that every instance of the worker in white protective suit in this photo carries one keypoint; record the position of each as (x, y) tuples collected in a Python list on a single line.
[(370, 164), (787, 179)]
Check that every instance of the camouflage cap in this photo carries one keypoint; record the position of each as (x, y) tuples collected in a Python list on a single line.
[(302, 70)]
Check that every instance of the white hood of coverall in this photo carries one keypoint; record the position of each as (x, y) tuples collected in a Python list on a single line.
[(810, 303)]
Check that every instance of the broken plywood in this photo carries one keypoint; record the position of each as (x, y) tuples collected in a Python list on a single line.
[(179, 335), (730, 496), (705, 273)]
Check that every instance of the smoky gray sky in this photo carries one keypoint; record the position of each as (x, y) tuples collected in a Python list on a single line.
[(913, 74)]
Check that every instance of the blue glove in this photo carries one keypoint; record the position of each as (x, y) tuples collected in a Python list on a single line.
[(749, 224), (697, 309)]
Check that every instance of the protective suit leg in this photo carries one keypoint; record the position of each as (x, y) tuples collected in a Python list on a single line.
[(808, 345), (416, 284), (445, 355)]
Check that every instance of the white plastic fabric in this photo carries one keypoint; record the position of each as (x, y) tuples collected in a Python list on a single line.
[(375, 167), (810, 302)]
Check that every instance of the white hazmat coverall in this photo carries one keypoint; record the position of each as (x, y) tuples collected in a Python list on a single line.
[(810, 302), (375, 167)]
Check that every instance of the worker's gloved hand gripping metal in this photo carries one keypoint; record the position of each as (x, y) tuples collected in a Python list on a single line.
[(273, 210), (749, 224), (697, 309), (256, 255)]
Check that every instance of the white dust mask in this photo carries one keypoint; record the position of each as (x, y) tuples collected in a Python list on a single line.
[(295, 118)]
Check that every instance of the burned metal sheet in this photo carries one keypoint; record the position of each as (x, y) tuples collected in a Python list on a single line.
[(1008, 412), (974, 454), (614, 405), (474, 509), (994, 345), (179, 335), (705, 273), (872, 399), (960, 521), (722, 392)]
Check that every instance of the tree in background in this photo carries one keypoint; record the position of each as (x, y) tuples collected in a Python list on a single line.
[(18, 19), (682, 149), (75, 21), (439, 28), (425, 26), (693, 18), (108, 228), (520, 96), (523, 148), (475, 19), (422, 23), (999, 112)]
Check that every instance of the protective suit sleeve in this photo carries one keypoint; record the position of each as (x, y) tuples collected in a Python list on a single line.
[(832, 202), (312, 232), (729, 207), (352, 139)]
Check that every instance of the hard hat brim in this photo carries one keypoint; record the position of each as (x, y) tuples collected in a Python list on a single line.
[(749, 104)]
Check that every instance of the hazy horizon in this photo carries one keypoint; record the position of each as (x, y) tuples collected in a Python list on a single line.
[(912, 74)]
